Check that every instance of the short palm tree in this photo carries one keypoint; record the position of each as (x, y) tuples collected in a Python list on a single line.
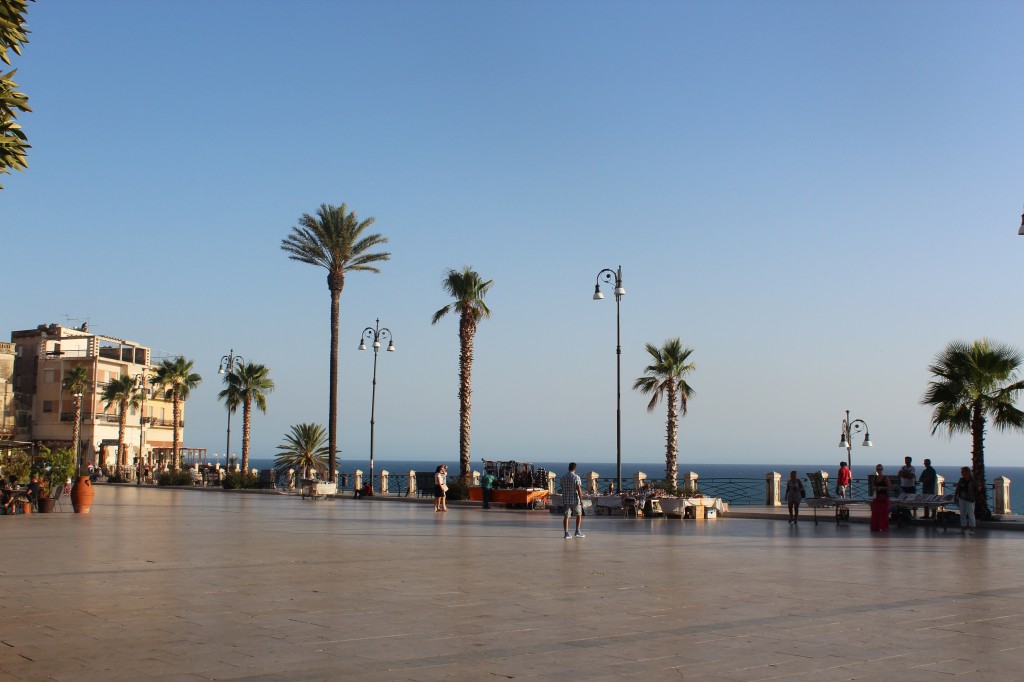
[(334, 239), (305, 449), (123, 392), (247, 385), (665, 378), (975, 382), (77, 382), (176, 379), (468, 289)]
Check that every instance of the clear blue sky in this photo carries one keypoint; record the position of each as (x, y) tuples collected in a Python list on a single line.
[(816, 197)]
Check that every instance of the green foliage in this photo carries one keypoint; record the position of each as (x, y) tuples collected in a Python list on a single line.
[(304, 449), (457, 490), (13, 34), (237, 480), (17, 462), (57, 466), (176, 477)]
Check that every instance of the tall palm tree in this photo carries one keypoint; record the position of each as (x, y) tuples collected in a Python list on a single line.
[(176, 379), (247, 385), (665, 378), (77, 382), (975, 382), (468, 289), (305, 449), (125, 394), (333, 239)]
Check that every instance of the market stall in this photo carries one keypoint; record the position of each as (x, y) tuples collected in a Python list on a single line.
[(516, 483)]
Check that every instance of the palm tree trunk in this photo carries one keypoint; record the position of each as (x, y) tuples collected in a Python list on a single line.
[(981, 508), (246, 411), (76, 435), (122, 426), (467, 330), (335, 283), (672, 439), (176, 442)]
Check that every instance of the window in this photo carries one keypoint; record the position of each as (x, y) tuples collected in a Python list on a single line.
[(49, 376), (47, 406)]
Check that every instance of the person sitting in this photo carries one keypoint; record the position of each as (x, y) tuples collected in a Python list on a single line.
[(10, 485), (32, 491)]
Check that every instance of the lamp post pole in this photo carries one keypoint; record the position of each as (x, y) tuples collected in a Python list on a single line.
[(228, 364), (375, 334), (140, 385), (846, 437), (608, 275)]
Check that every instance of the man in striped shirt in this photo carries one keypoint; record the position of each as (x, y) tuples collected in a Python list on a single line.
[(572, 500)]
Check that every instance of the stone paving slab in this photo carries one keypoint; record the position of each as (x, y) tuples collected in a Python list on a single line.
[(167, 585)]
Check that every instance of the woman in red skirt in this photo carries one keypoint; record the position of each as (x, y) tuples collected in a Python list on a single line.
[(880, 505)]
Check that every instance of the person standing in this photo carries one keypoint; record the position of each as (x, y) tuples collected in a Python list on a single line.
[(929, 486), (965, 496), (486, 486), (794, 493), (843, 479), (441, 488), (880, 503), (572, 500), (908, 477)]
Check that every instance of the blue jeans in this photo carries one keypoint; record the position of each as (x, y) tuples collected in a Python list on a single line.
[(967, 513)]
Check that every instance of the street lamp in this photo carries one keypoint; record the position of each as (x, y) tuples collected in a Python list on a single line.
[(846, 437), (228, 364), (140, 386), (608, 275), (375, 334), (1021, 230), (78, 441)]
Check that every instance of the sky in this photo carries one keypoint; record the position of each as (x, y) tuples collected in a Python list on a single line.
[(815, 197)]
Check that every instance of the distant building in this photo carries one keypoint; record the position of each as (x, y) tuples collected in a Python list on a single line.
[(44, 410), (7, 353)]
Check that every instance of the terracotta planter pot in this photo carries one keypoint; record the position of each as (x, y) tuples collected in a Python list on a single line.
[(81, 495), (46, 505), (26, 508)]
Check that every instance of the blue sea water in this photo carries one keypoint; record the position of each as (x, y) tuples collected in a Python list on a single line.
[(656, 470)]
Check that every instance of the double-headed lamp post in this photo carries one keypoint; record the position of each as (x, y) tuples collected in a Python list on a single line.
[(229, 363), (846, 438), (375, 334), (608, 275), (140, 386)]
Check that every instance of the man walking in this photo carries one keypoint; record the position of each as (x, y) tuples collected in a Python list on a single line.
[(572, 500)]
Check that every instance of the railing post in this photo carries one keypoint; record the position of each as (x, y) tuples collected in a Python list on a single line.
[(638, 480), (1001, 495), (940, 484), (411, 488), (384, 482), (358, 482), (552, 476), (592, 482), (772, 494), (690, 481), (474, 477)]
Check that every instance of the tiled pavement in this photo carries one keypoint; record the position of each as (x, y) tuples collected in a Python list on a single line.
[(162, 585)]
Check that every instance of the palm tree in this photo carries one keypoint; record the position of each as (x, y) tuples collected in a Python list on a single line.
[(125, 394), (665, 378), (975, 382), (77, 382), (246, 385), (176, 379), (468, 289), (333, 239), (305, 449)]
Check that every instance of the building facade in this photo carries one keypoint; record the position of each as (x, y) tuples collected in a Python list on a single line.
[(44, 411)]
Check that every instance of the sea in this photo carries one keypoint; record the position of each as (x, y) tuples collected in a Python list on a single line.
[(712, 477)]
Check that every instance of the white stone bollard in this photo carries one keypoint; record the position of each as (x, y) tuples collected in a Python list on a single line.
[(1001, 496), (638, 480), (690, 481), (411, 489), (358, 482), (592, 482), (940, 484), (552, 477), (384, 482), (772, 492)]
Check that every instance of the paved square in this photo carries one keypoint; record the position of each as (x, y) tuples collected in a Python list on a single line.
[(205, 585)]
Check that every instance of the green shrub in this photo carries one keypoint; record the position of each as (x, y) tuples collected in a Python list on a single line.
[(237, 480), (457, 490), (180, 477)]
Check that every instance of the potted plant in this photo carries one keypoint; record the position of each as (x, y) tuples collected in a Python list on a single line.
[(55, 469)]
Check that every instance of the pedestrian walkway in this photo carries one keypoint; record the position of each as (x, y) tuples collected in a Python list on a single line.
[(183, 585)]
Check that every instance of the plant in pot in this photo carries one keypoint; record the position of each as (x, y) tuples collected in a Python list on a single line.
[(56, 469)]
